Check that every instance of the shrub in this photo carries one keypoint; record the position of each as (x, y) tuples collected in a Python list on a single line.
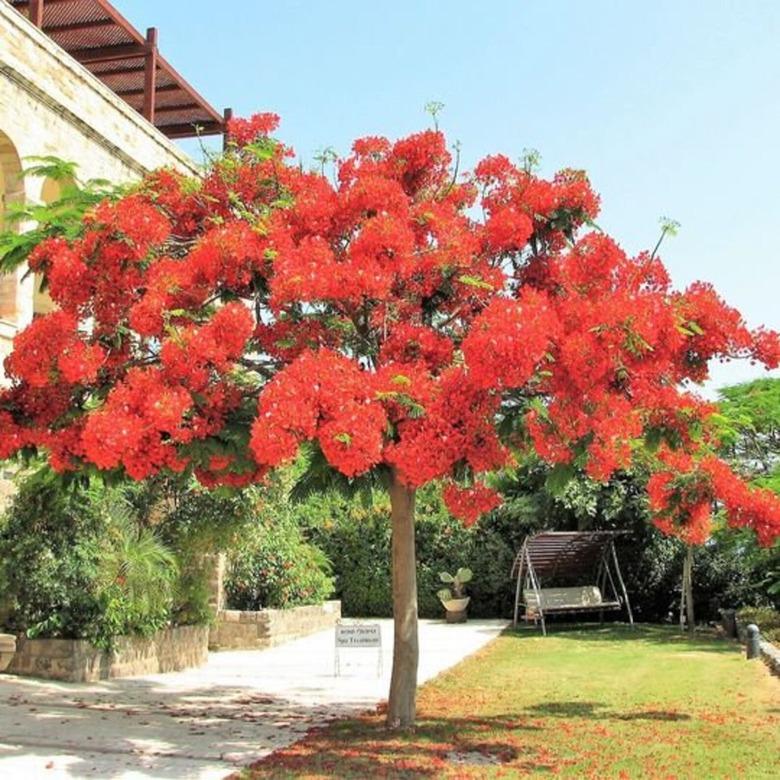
[(197, 524), (274, 567), (764, 617), (357, 540), (136, 576), (48, 558), (75, 565), (357, 543)]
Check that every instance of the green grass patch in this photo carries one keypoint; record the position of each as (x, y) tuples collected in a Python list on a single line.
[(583, 702)]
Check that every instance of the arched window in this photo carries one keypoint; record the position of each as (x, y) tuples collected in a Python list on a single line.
[(50, 192), (11, 191)]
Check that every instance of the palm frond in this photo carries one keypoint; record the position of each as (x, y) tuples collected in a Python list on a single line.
[(318, 476)]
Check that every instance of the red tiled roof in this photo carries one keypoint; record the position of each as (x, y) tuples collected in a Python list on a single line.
[(100, 38)]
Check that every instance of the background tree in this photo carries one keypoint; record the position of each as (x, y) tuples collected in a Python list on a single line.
[(750, 429), (377, 325)]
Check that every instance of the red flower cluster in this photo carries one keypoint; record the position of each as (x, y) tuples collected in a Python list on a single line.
[(12, 436), (51, 350), (244, 131), (195, 354), (458, 425), (509, 339), (325, 396), (470, 503), (408, 343), (684, 495), (135, 427)]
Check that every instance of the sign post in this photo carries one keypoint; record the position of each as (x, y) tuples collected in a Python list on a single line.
[(355, 636)]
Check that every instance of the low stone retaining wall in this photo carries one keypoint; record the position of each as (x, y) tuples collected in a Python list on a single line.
[(77, 660), (238, 630), (7, 650), (770, 653)]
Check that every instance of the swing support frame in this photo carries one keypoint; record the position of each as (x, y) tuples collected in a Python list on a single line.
[(551, 555)]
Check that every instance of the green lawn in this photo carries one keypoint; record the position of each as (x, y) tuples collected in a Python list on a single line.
[(584, 702)]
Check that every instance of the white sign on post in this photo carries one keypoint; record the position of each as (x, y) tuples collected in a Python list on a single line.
[(358, 636)]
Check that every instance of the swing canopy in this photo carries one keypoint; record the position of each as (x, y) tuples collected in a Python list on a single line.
[(585, 563)]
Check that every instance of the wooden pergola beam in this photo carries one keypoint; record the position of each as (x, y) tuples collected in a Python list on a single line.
[(77, 26), (174, 109), (36, 12), (227, 115), (125, 93), (122, 70), (150, 75), (125, 51), (186, 129)]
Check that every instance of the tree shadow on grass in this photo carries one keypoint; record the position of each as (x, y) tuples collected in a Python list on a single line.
[(363, 748), (648, 634), (597, 711)]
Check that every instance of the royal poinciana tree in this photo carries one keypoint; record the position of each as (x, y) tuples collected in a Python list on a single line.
[(404, 322)]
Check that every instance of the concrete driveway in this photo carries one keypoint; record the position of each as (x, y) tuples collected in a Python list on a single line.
[(206, 722)]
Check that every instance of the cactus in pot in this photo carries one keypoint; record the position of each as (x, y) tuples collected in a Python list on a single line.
[(454, 597)]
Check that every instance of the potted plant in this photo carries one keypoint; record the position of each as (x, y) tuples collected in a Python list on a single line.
[(454, 597)]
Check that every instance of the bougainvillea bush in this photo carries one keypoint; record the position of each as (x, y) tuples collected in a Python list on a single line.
[(403, 320)]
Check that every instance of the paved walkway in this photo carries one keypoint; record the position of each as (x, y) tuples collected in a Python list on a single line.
[(203, 723)]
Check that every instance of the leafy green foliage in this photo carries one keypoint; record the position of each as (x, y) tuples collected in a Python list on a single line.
[(312, 476), (136, 575), (749, 429), (74, 564), (273, 565), (198, 524), (357, 540), (766, 618), (48, 560), (62, 217), (80, 559), (457, 583), (275, 568)]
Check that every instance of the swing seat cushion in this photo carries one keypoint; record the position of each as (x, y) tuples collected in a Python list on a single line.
[(554, 599)]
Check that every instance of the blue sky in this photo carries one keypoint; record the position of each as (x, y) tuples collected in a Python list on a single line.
[(672, 107)]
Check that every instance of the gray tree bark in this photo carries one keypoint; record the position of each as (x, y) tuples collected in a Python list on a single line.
[(686, 597), (401, 705)]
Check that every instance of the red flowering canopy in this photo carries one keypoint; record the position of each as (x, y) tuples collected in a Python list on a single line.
[(218, 325)]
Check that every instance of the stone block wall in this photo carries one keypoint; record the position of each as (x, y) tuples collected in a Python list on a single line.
[(76, 660), (216, 564), (52, 105), (238, 630)]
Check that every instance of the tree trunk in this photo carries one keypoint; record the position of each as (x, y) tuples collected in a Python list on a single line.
[(686, 597), (689, 590), (403, 683)]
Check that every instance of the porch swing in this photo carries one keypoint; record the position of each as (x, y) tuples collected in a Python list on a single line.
[(587, 557)]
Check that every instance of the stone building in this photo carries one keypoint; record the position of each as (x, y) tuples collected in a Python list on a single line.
[(79, 82)]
